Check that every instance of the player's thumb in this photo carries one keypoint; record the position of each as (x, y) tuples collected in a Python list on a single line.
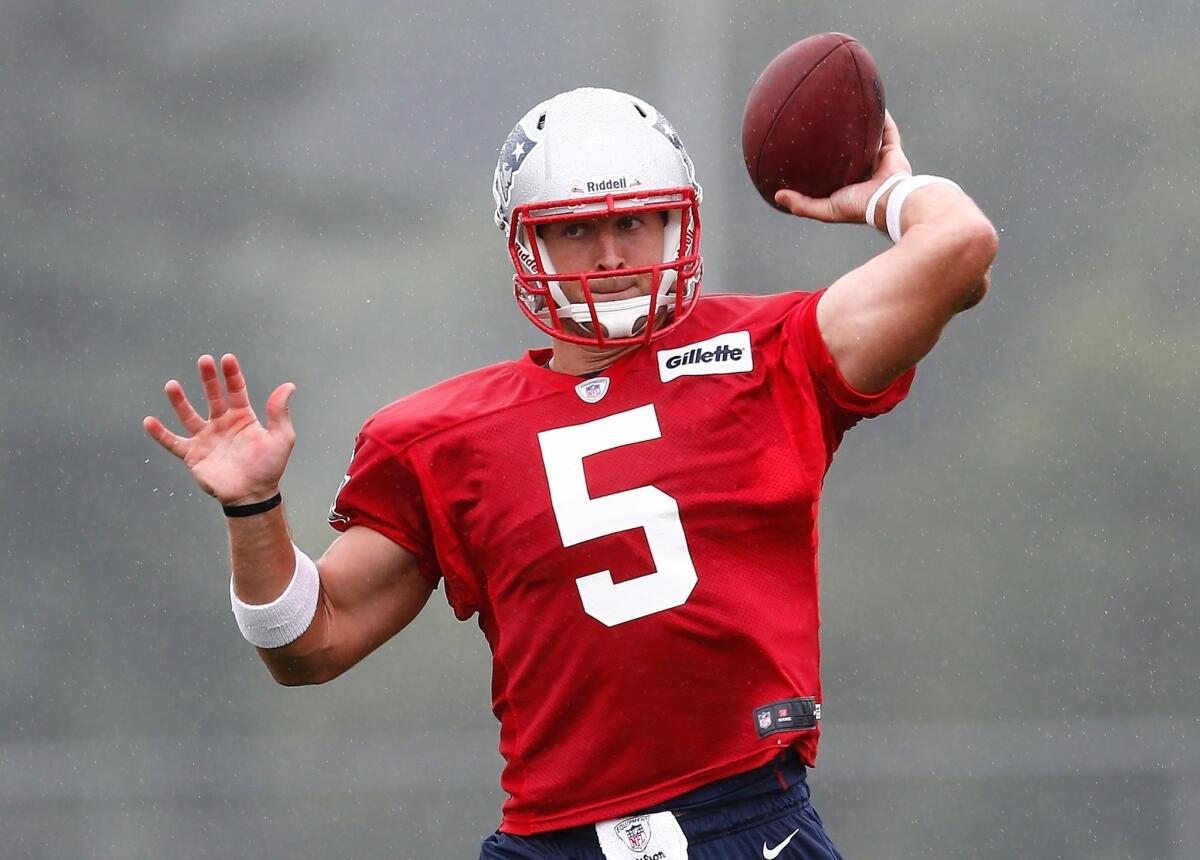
[(799, 204), (279, 414)]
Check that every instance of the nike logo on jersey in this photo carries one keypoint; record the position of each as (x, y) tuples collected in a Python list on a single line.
[(726, 353), (772, 853)]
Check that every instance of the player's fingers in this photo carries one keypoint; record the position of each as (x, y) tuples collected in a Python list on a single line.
[(177, 445), (235, 383), (279, 413), (184, 410), (892, 161), (820, 209), (207, 366), (891, 132)]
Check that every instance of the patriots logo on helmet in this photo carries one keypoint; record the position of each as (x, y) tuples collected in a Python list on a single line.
[(664, 127), (516, 148)]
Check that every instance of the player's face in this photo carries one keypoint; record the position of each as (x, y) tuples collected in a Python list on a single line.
[(606, 244)]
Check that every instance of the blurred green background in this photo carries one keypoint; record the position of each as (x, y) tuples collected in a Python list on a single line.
[(1009, 561)]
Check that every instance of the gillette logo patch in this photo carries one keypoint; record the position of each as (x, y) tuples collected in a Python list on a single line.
[(726, 353)]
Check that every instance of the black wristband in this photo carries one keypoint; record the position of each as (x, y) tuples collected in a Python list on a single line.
[(254, 507)]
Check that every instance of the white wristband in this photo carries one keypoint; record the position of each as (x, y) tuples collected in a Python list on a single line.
[(284, 619), (879, 192), (905, 188)]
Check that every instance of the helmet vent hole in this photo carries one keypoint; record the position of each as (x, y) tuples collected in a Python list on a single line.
[(638, 108), (541, 123)]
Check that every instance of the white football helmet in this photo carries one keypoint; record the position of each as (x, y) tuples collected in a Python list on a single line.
[(598, 152)]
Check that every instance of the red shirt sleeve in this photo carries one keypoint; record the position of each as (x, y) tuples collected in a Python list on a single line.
[(846, 405), (381, 492)]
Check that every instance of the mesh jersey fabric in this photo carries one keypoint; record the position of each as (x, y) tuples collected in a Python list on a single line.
[(599, 719)]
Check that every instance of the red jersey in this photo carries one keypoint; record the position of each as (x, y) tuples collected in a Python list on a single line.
[(640, 548)]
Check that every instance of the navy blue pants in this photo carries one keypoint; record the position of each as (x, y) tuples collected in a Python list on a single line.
[(740, 818)]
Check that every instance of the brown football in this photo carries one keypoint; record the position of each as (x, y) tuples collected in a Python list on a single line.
[(814, 118)]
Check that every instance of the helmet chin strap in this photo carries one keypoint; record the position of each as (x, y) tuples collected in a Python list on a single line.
[(618, 318)]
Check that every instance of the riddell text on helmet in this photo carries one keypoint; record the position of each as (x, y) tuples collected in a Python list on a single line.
[(618, 183)]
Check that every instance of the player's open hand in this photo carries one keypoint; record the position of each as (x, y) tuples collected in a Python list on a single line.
[(849, 204), (231, 454)]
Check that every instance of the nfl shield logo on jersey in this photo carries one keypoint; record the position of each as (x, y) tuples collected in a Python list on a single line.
[(764, 719), (592, 390), (634, 832)]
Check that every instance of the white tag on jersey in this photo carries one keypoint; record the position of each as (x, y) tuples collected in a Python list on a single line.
[(725, 353), (640, 836)]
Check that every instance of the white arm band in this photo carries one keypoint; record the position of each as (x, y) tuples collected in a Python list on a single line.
[(879, 192), (284, 619), (905, 188)]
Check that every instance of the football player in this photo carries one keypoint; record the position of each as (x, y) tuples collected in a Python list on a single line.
[(630, 514)]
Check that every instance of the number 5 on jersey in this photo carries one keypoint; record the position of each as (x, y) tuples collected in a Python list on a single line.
[(582, 518)]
